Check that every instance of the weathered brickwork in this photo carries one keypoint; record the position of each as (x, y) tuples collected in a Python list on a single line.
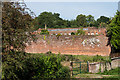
[(75, 45), (68, 31)]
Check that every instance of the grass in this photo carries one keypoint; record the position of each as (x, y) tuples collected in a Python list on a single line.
[(83, 58), (97, 76), (86, 58), (112, 72)]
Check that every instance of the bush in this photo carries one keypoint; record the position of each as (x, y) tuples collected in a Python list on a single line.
[(13, 67), (111, 72), (98, 58), (80, 32), (23, 66), (72, 33), (58, 35), (62, 73), (44, 32)]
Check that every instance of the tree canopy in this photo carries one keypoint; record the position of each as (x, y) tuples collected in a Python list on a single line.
[(81, 20), (16, 27), (53, 20), (114, 32), (103, 19), (49, 19), (90, 20)]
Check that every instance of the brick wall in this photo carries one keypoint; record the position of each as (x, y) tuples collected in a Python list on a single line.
[(68, 31), (75, 45)]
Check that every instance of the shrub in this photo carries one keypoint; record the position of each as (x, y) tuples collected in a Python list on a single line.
[(111, 72), (44, 32), (80, 32), (58, 35), (23, 66), (98, 58), (13, 67), (72, 33), (62, 72)]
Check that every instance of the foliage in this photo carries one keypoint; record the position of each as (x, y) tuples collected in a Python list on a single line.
[(90, 20), (114, 33), (44, 32), (97, 58), (84, 58), (80, 32), (63, 71), (58, 35), (16, 27), (53, 20), (81, 20), (72, 33), (103, 25), (23, 66), (111, 72), (103, 19)]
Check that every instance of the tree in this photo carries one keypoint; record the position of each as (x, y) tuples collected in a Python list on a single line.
[(114, 33), (81, 20), (49, 20), (103, 25), (45, 18), (16, 28), (73, 23), (103, 19), (90, 20)]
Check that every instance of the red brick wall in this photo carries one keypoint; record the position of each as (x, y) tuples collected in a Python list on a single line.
[(75, 45)]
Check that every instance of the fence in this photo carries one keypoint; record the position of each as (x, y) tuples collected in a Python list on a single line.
[(85, 67), (79, 67)]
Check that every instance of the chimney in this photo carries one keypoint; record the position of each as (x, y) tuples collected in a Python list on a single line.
[(45, 26)]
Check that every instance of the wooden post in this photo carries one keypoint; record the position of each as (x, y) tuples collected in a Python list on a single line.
[(71, 67), (80, 66), (45, 26), (87, 66)]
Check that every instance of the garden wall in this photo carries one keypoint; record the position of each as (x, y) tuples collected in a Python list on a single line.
[(102, 66), (70, 44)]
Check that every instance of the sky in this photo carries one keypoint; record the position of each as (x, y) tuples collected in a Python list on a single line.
[(71, 0), (70, 10)]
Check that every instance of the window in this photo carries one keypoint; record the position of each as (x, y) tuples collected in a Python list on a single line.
[(92, 33), (65, 33), (69, 34), (88, 33), (96, 33)]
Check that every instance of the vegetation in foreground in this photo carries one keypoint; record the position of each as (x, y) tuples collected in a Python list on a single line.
[(112, 72), (106, 75), (24, 66), (84, 58), (15, 33)]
